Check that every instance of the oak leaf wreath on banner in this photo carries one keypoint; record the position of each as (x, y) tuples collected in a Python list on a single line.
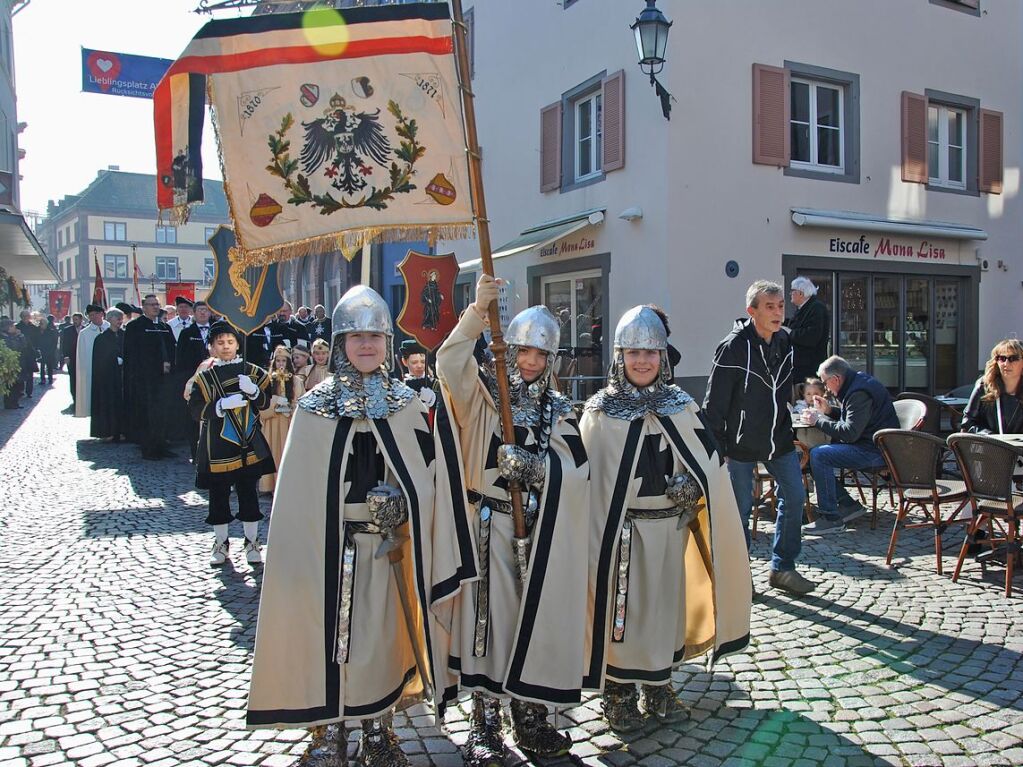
[(409, 152)]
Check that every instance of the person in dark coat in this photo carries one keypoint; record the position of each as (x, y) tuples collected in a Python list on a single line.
[(286, 330), (746, 410), (809, 330), (69, 348), (319, 325), (226, 399), (191, 350), (996, 404), (47, 348), (30, 331), (107, 419), (148, 363), (16, 342)]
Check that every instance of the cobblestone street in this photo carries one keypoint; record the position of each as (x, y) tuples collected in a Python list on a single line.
[(120, 645)]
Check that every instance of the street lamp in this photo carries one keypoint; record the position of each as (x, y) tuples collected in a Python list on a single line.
[(651, 30)]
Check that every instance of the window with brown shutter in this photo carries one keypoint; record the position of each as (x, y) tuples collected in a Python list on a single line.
[(914, 138), (770, 115), (990, 151), (550, 147), (614, 121)]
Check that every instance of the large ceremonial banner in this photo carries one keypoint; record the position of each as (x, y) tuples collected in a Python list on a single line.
[(336, 128), (246, 296), (59, 303)]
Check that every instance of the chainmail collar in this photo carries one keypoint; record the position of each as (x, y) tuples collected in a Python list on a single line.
[(349, 394), (528, 402), (620, 399)]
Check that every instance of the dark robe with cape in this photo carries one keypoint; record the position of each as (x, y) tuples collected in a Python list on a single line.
[(108, 416), (147, 345)]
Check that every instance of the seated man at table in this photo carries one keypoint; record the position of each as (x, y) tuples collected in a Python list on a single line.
[(865, 408)]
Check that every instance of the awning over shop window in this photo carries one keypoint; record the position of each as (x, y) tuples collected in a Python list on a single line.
[(21, 255), (863, 222), (543, 234)]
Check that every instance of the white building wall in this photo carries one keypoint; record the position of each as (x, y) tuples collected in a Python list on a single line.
[(704, 200)]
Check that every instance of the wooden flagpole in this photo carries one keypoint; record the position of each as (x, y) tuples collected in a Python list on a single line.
[(497, 344)]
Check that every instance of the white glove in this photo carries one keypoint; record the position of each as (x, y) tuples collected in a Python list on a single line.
[(277, 399), (249, 389), (427, 396), (230, 402)]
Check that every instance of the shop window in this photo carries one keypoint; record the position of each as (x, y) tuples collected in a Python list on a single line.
[(115, 267), (582, 136), (576, 299), (806, 120), (115, 230)]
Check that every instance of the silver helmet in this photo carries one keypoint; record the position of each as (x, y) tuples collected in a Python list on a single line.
[(641, 328), (535, 327), (360, 310)]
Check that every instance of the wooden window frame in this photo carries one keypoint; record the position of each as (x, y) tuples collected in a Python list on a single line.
[(113, 260), (165, 261), (121, 226), (595, 137)]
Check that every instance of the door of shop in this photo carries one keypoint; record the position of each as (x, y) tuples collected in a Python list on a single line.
[(906, 330), (576, 299)]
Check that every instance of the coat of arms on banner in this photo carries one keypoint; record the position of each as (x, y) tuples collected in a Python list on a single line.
[(247, 296), (429, 311)]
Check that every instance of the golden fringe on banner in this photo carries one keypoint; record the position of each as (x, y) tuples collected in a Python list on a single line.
[(352, 241)]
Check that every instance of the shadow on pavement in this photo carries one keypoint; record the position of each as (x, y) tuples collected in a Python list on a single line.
[(148, 520), (239, 597), (929, 656), (11, 420)]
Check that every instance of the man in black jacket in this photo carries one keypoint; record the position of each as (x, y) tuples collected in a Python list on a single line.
[(746, 407), (31, 333), (809, 330), (866, 409), (192, 348)]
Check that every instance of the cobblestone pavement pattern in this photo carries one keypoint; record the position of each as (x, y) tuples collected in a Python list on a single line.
[(120, 646)]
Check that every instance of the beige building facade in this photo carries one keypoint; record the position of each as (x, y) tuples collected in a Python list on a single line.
[(114, 218), (872, 146)]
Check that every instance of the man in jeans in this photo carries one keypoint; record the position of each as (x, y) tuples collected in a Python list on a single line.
[(866, 407), (746, 407)]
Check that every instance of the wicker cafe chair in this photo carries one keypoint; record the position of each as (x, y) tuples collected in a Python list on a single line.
[(911, 415), (912, 460), (765, 491), (987, 465), (932, 411)]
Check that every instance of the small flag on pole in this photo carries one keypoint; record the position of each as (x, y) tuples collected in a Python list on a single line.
[(99, 293)]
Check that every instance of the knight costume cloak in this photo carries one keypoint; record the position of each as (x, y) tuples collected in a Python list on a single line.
[(83, 371), (532, 648), (331, 641), (108, 385), (650, 608)]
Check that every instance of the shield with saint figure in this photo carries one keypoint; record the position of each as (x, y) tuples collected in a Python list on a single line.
[(429, 311)]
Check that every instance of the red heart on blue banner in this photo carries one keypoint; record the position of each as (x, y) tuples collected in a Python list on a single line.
[(104, 67)]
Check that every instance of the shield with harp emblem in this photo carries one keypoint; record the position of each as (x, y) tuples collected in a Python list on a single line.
[(246, 296)]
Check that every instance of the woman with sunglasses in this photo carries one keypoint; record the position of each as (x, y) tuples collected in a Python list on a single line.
[(996, 404)]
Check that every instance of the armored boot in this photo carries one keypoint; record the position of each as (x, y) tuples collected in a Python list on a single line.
[(329, 747), (378, 746), (662, 702), (621, 707), (485, 746), (533, 733)]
